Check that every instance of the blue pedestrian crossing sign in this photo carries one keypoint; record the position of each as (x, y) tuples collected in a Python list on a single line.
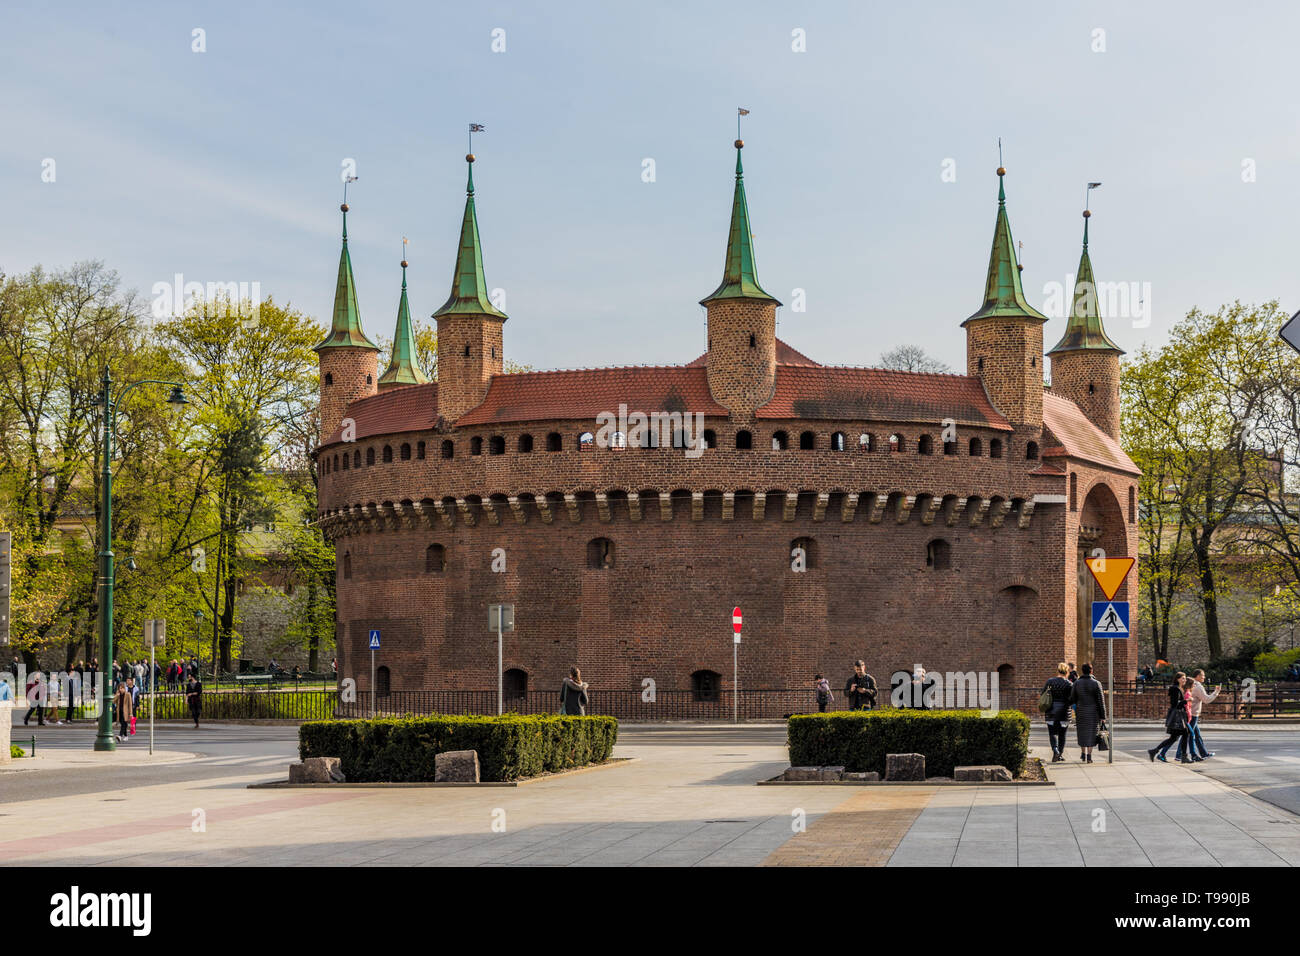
[(374, 638), (1110, 619)]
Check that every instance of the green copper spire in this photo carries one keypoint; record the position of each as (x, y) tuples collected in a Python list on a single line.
[(1003, 295), (402, 368), (469, 294), (1083, 329), (346, 327), (739, 274)]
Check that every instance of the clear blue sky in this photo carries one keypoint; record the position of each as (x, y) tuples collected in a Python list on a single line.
[(224, 165)]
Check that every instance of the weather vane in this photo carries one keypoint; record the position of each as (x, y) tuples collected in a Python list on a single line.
[(475, 128), (346, 181), (404, 242), (1087, 193), (740, 111), (1000, 163)]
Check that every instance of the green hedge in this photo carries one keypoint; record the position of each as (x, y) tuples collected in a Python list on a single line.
[(402, 749), (860, 740)]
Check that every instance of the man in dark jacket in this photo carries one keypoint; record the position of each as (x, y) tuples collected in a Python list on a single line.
[(860, 688)]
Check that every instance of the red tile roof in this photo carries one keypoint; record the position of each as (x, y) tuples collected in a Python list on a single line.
[(410, 408), (1080, 438), (585, 393), (828, 391), (785, 355)]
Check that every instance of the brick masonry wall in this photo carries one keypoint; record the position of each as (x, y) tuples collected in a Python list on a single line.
[(1012, 369), (741, 376), (463, 379), (352, 376), (1091, 380), (663, 611)]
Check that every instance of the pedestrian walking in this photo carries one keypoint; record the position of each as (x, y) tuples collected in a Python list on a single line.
[(1176, 720), (194, 698), (52, 701), (35, 698), (860, 689), (122, 705), (1195, 743), (1056, 695), (1089, 711), (822, 688), (573, 694)]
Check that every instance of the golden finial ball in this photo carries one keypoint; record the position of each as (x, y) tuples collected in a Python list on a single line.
[(1019, 267), (469, 157), (403, 263), (1086, 213), (740, 144), (343, 208), (1002, 170)]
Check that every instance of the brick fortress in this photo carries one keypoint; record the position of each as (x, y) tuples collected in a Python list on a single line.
[(932, 519)]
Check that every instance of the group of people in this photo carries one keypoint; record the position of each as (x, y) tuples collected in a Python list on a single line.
[(1183, 719), (1081, 694), (1078, 692), (860, 689), (126, 699), (128, 682)]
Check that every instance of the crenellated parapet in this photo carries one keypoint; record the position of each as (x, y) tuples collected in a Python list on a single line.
[(885, 508)]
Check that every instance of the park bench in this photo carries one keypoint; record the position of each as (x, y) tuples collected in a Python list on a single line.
[(255, 678)]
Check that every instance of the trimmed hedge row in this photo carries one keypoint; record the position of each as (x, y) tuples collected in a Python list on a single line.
[(859, 740), (402, 749)]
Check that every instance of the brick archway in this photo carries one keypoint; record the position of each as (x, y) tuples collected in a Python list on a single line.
[(1101, 525)]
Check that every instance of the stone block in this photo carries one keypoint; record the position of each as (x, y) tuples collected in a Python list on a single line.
[(869, 776), (316, 770), (802, 773), (982, 772), (905, 766), (456, 766), (831, 774), (6, 723)]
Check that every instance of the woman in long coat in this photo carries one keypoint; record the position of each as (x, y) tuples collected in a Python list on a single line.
[(1089, 710)]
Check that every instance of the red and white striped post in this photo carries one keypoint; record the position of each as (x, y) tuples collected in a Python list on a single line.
[(736, 621)]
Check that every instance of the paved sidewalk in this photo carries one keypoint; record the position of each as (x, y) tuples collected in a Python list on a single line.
[(1130, 813), (690, 800)]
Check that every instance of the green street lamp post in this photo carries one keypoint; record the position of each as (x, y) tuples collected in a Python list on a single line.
[(105, 740)]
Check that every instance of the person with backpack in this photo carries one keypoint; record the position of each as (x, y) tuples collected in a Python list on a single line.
[(860, 689), (822, 688), (573, 694), (1054, 703)]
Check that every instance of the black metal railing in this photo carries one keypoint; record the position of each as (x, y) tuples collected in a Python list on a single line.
[(1127, 703)]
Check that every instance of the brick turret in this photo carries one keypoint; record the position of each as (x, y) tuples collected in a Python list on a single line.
[(741, 320), (1085, 363), (348, 360), (1004, 338), (470, 347)]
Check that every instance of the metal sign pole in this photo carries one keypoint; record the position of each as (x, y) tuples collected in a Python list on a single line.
[(500, 664), (1110, 690), (735, 683), (373, 695), (153, 643)]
